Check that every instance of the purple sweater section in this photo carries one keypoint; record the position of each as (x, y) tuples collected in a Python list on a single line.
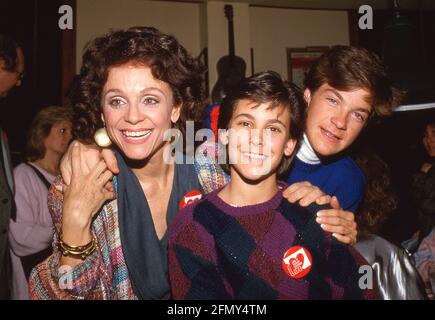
[(219, 251)]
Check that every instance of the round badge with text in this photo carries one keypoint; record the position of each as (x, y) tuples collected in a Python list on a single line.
[(297, 262), (190, 197)]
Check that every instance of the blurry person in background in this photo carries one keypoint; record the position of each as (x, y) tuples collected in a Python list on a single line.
[(11, 75), (423, 191), (30, 235), (425, 254), (422, 184), (429, 145), (395, 273)]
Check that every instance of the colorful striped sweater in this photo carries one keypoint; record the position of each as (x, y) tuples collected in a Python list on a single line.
[(217, 251), (103, 274)]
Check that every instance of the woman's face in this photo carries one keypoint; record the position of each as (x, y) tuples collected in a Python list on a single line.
[(59, 137), (137, 110)]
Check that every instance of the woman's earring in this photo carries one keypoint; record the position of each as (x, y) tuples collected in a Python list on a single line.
[(102, 138)]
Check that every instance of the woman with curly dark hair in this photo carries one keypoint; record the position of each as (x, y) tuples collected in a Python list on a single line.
[(137, 84), (395, 274)]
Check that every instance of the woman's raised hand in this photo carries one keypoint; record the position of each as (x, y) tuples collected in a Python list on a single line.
[(92, 155)]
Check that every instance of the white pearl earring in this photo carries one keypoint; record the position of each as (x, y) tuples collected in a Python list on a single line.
[(102, 138)]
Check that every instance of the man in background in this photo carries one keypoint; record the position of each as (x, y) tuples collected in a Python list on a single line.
[(11, 75)]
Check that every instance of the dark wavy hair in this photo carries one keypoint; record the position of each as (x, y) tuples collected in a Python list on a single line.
[(44, 120), (379, 200), (348, 68), (168, 60), (268, 87)]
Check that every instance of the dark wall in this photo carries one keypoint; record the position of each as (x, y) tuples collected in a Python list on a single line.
[(398, 138), (410, 52), (34, 23)]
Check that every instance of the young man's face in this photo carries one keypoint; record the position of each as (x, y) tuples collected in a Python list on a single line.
[(335, 118), (9, 79)]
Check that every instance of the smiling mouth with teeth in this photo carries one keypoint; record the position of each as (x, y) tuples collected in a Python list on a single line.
[(255, 156), (329, 134), (136, 134)]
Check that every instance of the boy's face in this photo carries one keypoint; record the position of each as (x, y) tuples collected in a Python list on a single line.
[(335, 118), (258, 138)]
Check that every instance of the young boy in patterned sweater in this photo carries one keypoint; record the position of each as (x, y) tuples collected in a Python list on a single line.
[(244, 240)]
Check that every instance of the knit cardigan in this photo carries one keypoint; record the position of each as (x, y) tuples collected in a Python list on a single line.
[(104, 273)]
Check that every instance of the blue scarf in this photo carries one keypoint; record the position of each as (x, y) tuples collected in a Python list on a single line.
[(146, 255)]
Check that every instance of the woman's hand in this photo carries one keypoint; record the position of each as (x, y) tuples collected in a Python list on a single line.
[(83, 197), (336, 220), (92, 155)]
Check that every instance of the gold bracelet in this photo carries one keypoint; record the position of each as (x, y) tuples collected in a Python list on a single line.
[(82, 254), (77, 251)]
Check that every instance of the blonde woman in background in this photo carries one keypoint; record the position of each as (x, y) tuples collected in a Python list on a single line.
[(31, 234)]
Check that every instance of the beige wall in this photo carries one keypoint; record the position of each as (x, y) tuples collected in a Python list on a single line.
[(268, 31), (273, 30), (217, 26), (96, 17)]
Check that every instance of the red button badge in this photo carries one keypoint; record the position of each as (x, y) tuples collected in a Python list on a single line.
[(297, 262), (190, 197)]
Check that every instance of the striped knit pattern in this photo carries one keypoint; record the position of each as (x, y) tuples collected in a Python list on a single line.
[(221, 252), (104, 274)]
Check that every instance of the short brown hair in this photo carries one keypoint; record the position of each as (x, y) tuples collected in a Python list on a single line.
[(348, 68), (41, 127), (268, 87), (167, 58)]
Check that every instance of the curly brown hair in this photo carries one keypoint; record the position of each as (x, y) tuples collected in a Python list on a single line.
[(348, 68), (168, 60), (379, 200)]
